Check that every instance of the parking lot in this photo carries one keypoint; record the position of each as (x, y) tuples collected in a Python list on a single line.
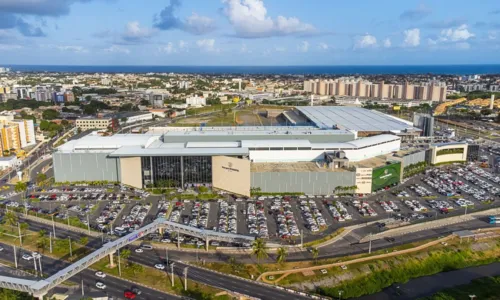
[(448, 190)]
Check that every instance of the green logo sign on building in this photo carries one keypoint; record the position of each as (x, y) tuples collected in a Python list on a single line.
[(386, 176)]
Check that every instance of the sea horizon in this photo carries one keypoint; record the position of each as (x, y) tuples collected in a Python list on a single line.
[(461, 69)]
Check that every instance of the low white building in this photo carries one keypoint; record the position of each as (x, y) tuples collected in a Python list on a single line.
[(8, 162), (196, 101)]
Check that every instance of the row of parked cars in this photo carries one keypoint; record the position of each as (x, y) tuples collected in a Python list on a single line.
[(364, 208), (389, 206), (312, 216), (287, 226), (199, 214), (257, 220), (108, 214), (136, 217), (339, 211), (227, 217)]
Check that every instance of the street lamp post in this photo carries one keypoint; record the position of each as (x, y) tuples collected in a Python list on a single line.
[(15, 256), (340, 294), (70, 249), (172, 273), (185, 278)]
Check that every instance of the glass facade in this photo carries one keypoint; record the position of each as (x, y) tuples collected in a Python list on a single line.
[(176, 171)]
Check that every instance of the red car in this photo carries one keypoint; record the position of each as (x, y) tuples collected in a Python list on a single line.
[(129, 295)]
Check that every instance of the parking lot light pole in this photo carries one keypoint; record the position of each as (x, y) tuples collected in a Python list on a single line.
[(301, 238), (70, 249), (40, 263), (50, 241)]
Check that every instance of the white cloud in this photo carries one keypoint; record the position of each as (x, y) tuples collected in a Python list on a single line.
[(365, 41), (411, 37), (431, 42), (5, 47), (66, 48), (134, 32), (197, 24), (323, 46), (463, 46), (492, 35), (168, 48), (279, 49), (387, 43), (182, 44), (461, 33), (250, 20), (117, 49), (207, 45), (303, 47)]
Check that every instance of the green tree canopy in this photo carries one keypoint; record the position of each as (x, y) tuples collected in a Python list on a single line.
[(50, 114)]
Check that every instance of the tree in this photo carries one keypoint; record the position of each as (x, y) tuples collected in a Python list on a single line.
[(281, 255), (24, 227), (50, 114), (10, 218), (44, 125), (124, 119), (42, 233), (136, 268), (315, 253), (83, 240), (259, 249), (20, 187), (40, 178), (65, 123), (125, 253)]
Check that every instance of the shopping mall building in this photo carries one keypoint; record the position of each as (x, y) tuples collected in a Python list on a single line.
[(334, 147)]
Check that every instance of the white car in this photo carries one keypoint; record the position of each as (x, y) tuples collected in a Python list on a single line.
[(160, 266), (1, 249), (36, 254), (27, 257), (100, 285), (100, 274), (139, 250)]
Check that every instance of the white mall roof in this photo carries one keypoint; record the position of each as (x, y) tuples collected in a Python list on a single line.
[(353, 118)]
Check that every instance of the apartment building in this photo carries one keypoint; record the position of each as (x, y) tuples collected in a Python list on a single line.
[(357, 87), (94, 123), (15, 133)]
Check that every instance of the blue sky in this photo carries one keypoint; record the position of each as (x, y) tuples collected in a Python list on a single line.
[(249, 32)]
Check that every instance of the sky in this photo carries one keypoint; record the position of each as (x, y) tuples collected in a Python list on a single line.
[(249, 32)]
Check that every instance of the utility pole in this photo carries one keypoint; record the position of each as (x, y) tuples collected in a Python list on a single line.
[(83, 292), (53, 226), (172, 273), (178, 240), (370, 245), (34, 263), (88, 223), (70, 249), (119, 265), (50, 241), (20, 236), (466, 210), (185, 278), (40, 263), (301, 238), (15, 256), (166, 255)]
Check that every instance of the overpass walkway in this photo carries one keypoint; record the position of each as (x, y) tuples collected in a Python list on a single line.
[(41, 287)]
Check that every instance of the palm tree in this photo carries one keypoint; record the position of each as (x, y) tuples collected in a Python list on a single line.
[(136, 268), (281, 255), (259, 249), (315, 253), (20, 187), (10, 218), (42, 233), (125, 253)]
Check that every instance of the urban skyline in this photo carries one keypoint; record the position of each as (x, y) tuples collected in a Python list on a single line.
[(247, 32)]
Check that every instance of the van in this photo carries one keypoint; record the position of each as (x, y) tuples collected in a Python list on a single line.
[(146, 247)]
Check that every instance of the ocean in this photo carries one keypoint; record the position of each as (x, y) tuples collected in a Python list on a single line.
[(293, 70)]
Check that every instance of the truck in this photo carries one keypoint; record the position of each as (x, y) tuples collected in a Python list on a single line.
[(494, 220)]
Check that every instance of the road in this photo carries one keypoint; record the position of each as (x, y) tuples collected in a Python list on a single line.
[(114, 287)]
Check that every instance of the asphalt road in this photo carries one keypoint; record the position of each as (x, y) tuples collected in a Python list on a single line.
[(150, 258), (114, 287)]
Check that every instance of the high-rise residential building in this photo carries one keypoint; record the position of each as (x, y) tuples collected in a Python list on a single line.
[(357, 87), (15, 133), (69, 97), (106, 81)]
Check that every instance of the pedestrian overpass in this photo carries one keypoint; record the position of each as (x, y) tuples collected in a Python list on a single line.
[(41, 287)]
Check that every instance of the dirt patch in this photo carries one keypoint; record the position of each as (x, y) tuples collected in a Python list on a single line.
[(480, 246), (308, 273), (193, 120)]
